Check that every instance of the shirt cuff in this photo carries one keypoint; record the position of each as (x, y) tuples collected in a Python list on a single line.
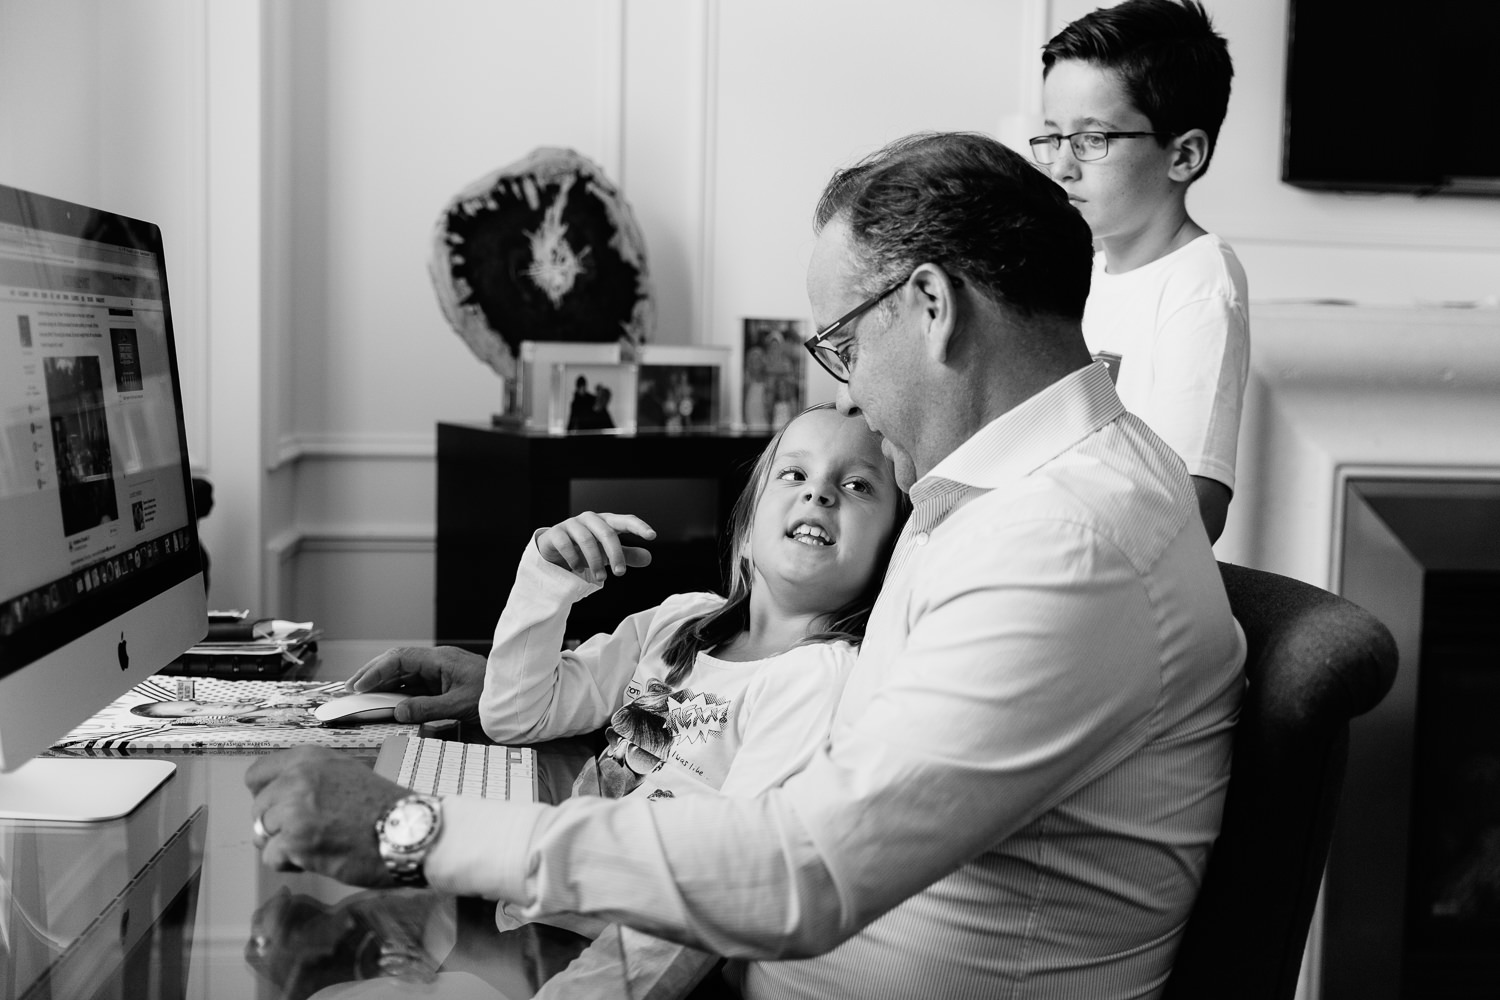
[(483, 848)]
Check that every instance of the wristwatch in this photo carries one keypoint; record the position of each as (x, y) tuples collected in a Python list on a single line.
[(406, 833)]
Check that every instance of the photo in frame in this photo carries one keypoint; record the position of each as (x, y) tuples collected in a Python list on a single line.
[(538, 360), (680, 388), (592, 398), (773, 372)]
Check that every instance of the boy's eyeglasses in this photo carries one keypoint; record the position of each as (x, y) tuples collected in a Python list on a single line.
[(1086, 145), (838, 360)]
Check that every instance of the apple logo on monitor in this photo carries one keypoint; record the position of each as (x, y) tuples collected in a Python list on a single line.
[(121, 652)]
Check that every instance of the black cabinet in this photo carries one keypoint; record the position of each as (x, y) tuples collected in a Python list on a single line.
[(496, 486)]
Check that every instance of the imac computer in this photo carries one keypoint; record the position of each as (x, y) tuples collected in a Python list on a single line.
[(101, 579)]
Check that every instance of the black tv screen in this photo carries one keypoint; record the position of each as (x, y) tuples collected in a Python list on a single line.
[(1389, 95)]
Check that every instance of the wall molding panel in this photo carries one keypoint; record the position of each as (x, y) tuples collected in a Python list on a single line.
[(403, 551), (612, 90), (1345, 234), (364, 538), (706, 168), (301, 446)]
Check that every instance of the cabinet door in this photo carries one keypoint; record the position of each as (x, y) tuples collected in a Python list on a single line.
[(495, 488)]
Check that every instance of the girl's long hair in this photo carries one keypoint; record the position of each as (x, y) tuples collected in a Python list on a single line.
[(713, 629)]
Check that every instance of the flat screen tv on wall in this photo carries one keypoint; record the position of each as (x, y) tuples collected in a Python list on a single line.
[(1390, 95)]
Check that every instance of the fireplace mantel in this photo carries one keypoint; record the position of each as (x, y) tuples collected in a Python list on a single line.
[(1354, 391)]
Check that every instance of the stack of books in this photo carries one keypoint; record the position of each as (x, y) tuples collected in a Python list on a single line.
[(239, 648)]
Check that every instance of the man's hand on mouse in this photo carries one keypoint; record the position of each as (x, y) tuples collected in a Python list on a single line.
[(318, 809), (445, 682), (592, 546)]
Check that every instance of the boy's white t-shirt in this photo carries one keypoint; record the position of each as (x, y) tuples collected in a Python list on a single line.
[(1176, 334)]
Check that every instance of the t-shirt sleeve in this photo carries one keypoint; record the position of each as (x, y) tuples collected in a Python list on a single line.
[(1201, 358)]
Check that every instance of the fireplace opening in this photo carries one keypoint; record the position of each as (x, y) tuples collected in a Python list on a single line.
[(1452, 934), (1411, 904)]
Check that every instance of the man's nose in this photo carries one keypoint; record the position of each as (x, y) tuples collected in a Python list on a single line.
[(844, 402)]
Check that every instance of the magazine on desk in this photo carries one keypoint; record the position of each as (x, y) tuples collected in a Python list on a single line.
[(205, 714)]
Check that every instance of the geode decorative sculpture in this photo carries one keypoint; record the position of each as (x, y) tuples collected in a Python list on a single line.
[(544, 249)]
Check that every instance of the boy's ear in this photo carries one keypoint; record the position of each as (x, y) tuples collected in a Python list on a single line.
[(1189, 155), (937, 297)]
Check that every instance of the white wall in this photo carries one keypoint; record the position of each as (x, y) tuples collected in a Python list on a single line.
[(297, 154), (1296, 244), (699, 110), (126, 105)]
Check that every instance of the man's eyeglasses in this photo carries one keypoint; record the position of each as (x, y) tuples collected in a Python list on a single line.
[(1086, 145), (838, 359)]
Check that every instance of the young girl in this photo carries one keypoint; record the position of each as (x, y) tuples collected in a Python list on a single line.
[(707, 693)]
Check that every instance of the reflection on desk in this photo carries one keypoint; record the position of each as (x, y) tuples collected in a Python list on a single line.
[(91, 910), (417, 937), (172, 902)]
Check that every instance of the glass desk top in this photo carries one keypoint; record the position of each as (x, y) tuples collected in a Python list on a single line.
[(172, 901)]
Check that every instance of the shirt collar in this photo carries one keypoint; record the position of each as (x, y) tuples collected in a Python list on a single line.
[(1027, 436)]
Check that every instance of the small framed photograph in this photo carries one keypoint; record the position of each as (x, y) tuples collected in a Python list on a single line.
[(680, 388), (535, 379), (592, 398), (773, 373)]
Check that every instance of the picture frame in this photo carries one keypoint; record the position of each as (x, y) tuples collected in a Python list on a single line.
[(536, 375), (773, 370), (587, 398), (681, 388)]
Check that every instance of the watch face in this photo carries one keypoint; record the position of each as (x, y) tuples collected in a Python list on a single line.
[(409, 824)]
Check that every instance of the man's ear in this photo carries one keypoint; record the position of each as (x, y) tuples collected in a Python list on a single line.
[(937, 297), (1189, 155)]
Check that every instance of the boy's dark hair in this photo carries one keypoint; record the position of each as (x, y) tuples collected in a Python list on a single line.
[(1175, 68), (972, 206)]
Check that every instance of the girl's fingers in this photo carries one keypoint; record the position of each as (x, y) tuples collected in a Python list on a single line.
[(629, 524), (589, 544), (606, 529), (592, 558), (621, 555)]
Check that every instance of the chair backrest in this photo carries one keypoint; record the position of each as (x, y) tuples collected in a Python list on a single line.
[(1315, 661)]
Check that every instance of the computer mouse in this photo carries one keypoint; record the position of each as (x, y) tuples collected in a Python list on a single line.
[(369, 706)]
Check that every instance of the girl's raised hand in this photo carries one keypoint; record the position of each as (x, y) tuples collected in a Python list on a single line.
[(592, 546)]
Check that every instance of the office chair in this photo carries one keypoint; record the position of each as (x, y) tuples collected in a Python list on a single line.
[(1315, 661)]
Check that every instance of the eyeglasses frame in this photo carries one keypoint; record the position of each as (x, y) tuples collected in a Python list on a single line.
[(1055, 141), (817, 348)]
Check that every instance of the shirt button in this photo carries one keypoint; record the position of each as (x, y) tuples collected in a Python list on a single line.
[(921, 538)]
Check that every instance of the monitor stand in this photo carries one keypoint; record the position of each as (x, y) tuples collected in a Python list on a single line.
[(79, 789)]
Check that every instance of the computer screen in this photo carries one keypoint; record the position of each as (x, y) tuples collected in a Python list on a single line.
[(101, 573)]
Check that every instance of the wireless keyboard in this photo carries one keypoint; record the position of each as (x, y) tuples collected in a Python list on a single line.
[(447, 767)]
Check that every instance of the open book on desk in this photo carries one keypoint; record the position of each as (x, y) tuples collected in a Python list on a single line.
[(206, 714)]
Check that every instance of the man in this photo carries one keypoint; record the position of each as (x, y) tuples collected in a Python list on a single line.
[(1027, 768)]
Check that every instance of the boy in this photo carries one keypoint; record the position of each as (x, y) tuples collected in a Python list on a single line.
[(1134, 96)]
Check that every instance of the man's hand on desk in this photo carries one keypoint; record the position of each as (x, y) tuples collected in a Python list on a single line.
[(447, 682), (319, 809)]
